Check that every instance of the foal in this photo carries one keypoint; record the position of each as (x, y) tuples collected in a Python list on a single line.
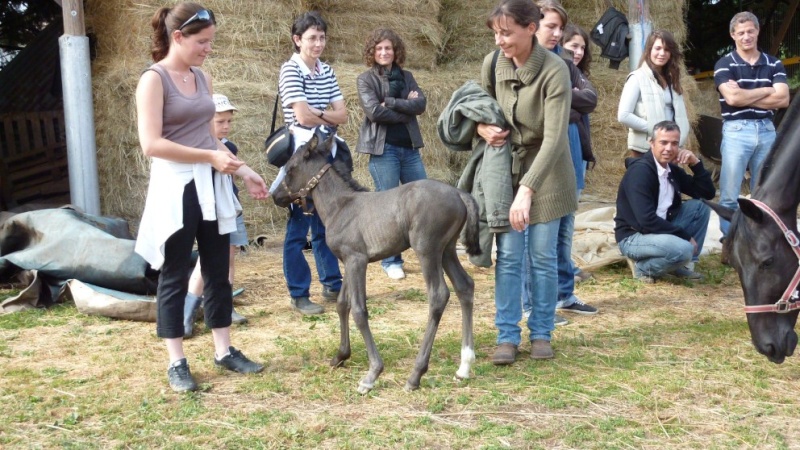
[(425, 215)]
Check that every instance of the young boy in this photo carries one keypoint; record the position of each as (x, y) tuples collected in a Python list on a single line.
[(222, 126)]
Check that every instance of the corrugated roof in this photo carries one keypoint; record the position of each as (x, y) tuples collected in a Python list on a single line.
[(32, 80)]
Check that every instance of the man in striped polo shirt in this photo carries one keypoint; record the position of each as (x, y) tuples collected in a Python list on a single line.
[(751, 85)]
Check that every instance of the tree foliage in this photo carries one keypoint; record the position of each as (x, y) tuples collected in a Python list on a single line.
[(21, 21)]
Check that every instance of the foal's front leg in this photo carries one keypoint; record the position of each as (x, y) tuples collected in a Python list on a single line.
[(356, 273)]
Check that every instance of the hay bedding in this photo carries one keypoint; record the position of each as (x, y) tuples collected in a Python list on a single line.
[(446, 42)]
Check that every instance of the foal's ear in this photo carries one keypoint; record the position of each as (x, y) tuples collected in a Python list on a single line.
[(309, 146), (750, 210), (723, 211)]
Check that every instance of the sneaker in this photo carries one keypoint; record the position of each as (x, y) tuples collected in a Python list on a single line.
[(683, 272), (236, 361), (306, 306), (582, 276), (237, 292), (395, 272), (578, 307), (180, 378), (541, 349), (504, 354), (237, 318), (329, 294), (526, 313), (560, 321)]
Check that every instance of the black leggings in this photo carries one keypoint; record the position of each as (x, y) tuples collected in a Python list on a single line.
[(173, 282)]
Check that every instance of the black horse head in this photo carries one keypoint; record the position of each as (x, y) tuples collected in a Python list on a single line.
[(765, 263), (758, 248)]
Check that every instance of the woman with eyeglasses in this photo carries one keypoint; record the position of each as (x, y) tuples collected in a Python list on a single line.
[(390, 134), (190, 195), (653, 93), (311, 100)]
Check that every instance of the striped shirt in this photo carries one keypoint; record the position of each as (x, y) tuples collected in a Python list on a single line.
[(297, 84), (766, 72)]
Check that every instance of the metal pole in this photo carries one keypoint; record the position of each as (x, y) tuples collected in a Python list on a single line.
[(76, 81)]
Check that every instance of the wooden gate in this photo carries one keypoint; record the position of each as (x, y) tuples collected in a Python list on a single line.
[(33, 159)]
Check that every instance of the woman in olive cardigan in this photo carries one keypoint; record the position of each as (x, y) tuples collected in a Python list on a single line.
[(532, 86)]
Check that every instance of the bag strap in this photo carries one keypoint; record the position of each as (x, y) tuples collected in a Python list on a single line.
[(494, 68), (275, 107), (274, 115)]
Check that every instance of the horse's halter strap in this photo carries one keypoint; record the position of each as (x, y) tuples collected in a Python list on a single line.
[(788, 301), (299, 198)]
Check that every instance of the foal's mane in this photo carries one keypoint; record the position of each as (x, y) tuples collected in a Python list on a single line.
[(343, 171)]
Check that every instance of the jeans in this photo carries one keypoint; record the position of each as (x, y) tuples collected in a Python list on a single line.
[(173, 281), (566, 269), (659, 254), (511, 253), (295, 266), (745, 143), (396, 165)]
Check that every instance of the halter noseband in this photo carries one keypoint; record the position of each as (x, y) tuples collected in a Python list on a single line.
[(788, 301), (299, 198)]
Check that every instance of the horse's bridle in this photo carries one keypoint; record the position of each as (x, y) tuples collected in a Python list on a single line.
[(299, 198), (789, 300)]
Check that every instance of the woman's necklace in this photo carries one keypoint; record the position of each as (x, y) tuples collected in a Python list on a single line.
[(184, 77)]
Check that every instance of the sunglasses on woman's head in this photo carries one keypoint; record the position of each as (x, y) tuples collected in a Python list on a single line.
[(204, 15)]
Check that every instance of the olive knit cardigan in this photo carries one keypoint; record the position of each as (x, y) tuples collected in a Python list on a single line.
[(535, 100)]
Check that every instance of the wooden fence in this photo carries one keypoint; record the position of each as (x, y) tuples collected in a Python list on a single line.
[(33, 159)]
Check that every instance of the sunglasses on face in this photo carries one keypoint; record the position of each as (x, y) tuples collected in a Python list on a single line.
[(204, 15)]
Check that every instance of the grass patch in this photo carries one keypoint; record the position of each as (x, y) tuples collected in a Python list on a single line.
[(668, 365)]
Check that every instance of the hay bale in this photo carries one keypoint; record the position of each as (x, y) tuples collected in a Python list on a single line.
[(446, 42), (466, 37), (422, 37)]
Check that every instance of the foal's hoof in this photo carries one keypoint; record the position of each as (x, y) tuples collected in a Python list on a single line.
[(364, 387), (337, 362), (411, 387)]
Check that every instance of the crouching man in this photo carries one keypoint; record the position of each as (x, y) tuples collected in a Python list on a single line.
[(658, 233)]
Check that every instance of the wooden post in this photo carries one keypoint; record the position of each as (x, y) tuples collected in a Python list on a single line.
[(787, 21), (76, 81)]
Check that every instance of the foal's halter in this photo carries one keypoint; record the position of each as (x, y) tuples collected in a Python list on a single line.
[(299, 198), (789, 300)]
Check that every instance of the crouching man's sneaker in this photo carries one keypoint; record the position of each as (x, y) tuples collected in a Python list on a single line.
[(237, 362), (180, 378), (683, 272)]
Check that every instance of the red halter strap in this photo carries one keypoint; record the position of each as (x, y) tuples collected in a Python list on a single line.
[(788, 301)]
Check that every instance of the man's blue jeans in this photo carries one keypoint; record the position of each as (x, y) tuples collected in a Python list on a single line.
[(660, 254), (295, 266), (511, 252), (396, 165), (745, 143)]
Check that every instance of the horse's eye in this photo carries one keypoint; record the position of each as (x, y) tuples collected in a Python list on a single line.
[(767, 263)]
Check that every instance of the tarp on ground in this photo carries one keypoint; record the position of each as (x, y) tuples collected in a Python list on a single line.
[(45, 249)]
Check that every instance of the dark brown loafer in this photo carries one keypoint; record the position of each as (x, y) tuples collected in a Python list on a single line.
[(504, 354)]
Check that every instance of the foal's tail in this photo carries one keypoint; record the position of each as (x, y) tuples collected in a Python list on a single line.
[(471, 230)]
